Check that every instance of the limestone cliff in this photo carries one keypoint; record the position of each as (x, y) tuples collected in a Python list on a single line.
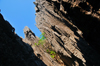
[(72, 28)]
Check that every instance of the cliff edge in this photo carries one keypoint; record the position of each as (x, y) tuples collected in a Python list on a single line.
[(72, 28)]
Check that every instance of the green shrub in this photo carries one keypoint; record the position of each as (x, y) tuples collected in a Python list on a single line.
[(42, 36), (52, 56), (41, 39), (47, 50), (52, 53)]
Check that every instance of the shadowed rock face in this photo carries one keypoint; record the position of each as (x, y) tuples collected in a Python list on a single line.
[(72, 28), (13, 51)]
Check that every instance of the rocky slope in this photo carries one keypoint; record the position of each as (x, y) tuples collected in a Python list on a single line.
[(13, 51), (72, 28)]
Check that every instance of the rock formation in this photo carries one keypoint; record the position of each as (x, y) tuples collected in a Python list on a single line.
[(39, 50), (72, 28), (13, 51)]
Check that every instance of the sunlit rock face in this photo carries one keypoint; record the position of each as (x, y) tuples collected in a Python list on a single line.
[(72, 28), (13, 51), (30, 37), (39, 50)]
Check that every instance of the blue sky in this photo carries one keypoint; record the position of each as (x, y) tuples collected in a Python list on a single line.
[(20, 13)]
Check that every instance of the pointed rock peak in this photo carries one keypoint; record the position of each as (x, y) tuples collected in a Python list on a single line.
[(26, 29), (28, 33), (30, 37)]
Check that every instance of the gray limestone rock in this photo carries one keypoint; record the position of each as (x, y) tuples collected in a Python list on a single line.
[(66, 27)]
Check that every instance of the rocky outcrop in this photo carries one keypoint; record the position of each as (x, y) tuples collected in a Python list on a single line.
[(30, 37), (72, 29), (40, 50), (13, 51)]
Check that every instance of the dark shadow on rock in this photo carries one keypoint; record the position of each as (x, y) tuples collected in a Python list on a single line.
[(28, 33), (66, 23), (95, 4), (67, 60), (13, 51), (70, 61), (90, 55), (88, 25)]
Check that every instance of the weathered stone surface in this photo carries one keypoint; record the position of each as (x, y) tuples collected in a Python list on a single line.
[(13, 51), (29, 35), (39, 50), (72, 28)]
